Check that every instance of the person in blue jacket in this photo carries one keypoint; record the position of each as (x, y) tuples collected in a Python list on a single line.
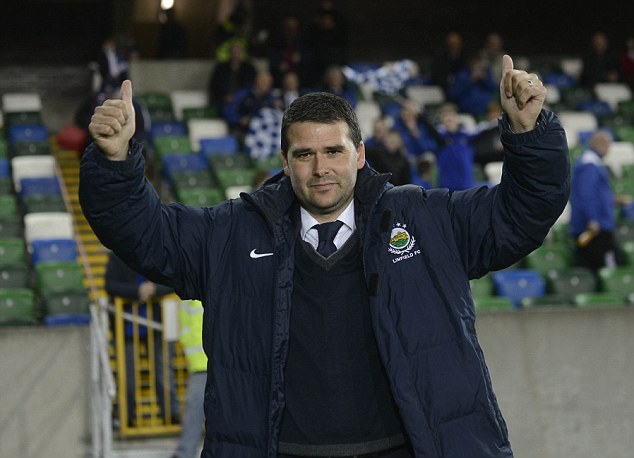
[(350, 338), (593, 205)]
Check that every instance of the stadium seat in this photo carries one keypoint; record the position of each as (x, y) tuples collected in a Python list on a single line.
[(613, 93), (31, 167), (39, 186), (626, 109), (13, 102), (227, 144), (171, 145), (17, 307), (201, 197), (206, 112), (8, 205), (58, 276), (191, 179), (229, 161), (493, 303), (619, 153), (574, 96), (10, 225), (182, 99), (155, 100), (548, 258), (624, 232), (235, 177), (38, 203), (31, 148), (515, 284), (48, 225), (367, 112), (205, 128), (547, 300), (6, 185), (167, 129), (183, 163), (15, 276), (66, 307), (23, 117), (481, 287), (12, 251), (46, 250), (618, 281), (4, 168), (575, 122), (598, 300), (628, 250), (572, 281), (27, 132)]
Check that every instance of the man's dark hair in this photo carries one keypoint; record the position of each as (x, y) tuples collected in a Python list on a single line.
[(323, 108)]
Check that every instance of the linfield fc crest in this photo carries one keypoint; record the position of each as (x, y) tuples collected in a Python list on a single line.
[(401, 241)]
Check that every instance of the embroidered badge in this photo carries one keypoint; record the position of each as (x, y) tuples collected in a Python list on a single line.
[(400, 240)]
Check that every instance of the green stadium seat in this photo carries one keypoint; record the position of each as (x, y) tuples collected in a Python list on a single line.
[(38, 203), (60, 276), (619, 281), (11, 226), (624, 232), (66, 307), (15, 276), (598, 300), (201, 197), (199, 113), (219, 162), (273, 163), (628, 249), (572, 281), (548, 300), (548, 258), (12, 251), (31, 148), (6, 185), (155, 100), (17, 307), (482, 287), (493, 303), (8, 205), (23, 117), (192, 179), (625, 108), (171, 144), (625, 133), (235, 177)]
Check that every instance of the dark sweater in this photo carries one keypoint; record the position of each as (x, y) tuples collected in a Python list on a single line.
[(336, 389)]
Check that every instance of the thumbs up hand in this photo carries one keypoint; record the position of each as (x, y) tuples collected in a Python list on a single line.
[(112, 125), (522, 95)]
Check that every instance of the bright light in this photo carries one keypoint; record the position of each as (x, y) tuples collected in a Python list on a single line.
[(167, 4)]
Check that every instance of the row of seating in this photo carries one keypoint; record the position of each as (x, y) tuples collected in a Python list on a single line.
[(41, 279)]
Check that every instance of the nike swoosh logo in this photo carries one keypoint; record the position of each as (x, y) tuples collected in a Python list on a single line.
[(255, 255)]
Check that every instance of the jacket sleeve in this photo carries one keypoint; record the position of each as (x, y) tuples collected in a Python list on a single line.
[(496, 227), (163, 242)]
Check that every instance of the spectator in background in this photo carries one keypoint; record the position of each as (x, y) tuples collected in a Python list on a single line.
[(229, 77), (626, 62), (448, 61), (425, 175), (390, 156), (122, 281), (486, 143), (113, 65), (492, 53), (593, 217), (249, 101), (473, 87), (290, 89), (326, 43), (417, 132), (172, 42), (336, 83), (600, 63), (232, 27), (379, 133), (190, 324), (287, 51), (455, 155)]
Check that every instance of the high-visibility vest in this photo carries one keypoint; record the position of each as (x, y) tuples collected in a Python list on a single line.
[(190, 318)]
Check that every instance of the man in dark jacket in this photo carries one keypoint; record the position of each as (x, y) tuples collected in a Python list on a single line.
[(357, 340)]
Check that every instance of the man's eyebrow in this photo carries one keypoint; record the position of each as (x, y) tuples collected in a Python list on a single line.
[(298, 151)]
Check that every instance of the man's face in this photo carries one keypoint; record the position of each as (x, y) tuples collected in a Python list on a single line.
[(322, 163)]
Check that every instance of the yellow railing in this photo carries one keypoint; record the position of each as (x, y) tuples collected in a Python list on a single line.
[(153, 409)]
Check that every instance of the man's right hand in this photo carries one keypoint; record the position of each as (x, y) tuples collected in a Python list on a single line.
[(112, 125)]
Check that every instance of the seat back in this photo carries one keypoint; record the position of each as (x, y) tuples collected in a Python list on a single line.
[(515, 284), (17, 307), (48, 225), (58, 276), (12, 251), (46, 250)]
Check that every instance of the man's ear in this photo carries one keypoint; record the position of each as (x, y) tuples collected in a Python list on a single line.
[(360, 156), (285, 162)]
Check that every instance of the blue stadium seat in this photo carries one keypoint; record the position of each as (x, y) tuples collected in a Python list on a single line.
[(41, 186), (4, 168), (27, 132), (183, 163), (516, 284), (45, 250), (163, 129), (218, 145)]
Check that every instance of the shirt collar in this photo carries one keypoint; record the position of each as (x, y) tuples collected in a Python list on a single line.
[(346, 217)]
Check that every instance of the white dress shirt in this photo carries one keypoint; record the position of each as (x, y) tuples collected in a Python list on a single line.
[(309, 233)]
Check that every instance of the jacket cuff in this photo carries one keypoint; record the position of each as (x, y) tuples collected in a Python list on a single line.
[(512, 138), (135, 158)]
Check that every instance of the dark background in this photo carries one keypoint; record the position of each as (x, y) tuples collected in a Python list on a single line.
[(56, 31)]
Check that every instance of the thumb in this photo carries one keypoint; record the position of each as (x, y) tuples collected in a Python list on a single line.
[(507, 66), (126, 92)]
